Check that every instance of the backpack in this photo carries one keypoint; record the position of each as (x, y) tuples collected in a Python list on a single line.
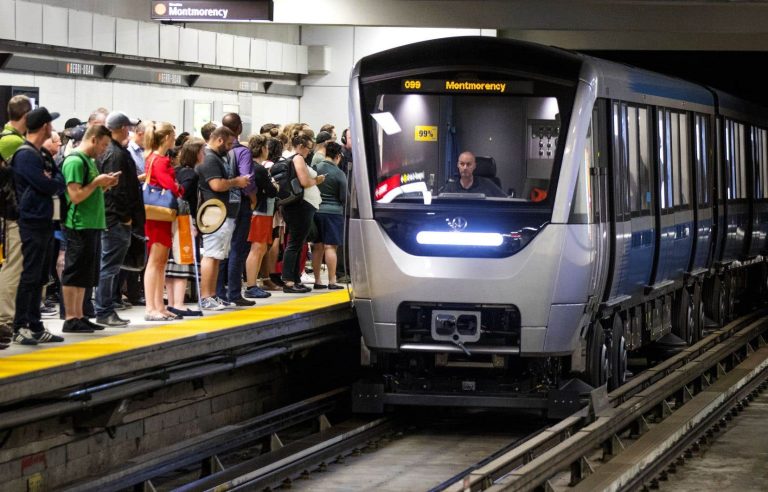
[(284, 174), (7, 184)]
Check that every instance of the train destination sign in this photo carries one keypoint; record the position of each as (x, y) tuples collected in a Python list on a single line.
[(213, 10), (467, 86)]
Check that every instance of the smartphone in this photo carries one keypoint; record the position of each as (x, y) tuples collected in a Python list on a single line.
[(116, 173)]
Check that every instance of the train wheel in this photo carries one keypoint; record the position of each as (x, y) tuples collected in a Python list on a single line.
[(699, 315), (684, 319), (597, 356), (617, 354), (719, 301)]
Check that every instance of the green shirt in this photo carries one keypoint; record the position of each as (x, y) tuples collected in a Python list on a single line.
[(88, 214), (9, 144)]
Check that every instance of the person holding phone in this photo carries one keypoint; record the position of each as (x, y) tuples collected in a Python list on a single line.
[(123, 206)]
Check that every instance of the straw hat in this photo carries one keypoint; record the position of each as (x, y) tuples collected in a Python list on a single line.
[(210, 215)]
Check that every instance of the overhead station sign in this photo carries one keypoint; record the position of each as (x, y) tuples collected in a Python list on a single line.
[(213, 10)]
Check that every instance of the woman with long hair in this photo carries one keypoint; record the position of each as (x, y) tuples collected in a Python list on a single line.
[(190, 155), (158, 138), (298, 216)]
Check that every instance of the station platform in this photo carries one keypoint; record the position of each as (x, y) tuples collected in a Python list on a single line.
[(34, 371)]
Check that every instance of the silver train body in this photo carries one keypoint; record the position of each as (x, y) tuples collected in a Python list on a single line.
[(634, 206)]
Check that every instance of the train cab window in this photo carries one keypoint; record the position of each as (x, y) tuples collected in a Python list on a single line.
[(419, 132), (702, 159)]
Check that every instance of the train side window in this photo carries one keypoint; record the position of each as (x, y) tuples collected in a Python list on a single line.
[(730, 160), (632, 153), (621, 172), (742, 160), (702, 159), (675, 134), (644, 145), (665, 159), (685, 161), (764, 161)]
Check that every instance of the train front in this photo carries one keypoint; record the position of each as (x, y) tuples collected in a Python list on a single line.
[(471, 268)]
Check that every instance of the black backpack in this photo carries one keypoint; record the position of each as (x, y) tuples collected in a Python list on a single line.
[(284, 174), (7, 184)]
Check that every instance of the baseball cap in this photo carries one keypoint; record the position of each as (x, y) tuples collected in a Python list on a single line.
[(323, 137), (118, 119), (39, 117), (71, 123)]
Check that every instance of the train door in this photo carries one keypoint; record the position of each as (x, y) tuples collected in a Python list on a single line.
[(676, 213), (596, 152), (704, 168), (759, 212), (635, 228)]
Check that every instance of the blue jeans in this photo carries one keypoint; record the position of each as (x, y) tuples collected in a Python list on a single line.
[(114, 245), (233, 266)]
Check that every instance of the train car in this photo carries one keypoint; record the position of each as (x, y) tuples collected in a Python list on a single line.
[(522, 215)]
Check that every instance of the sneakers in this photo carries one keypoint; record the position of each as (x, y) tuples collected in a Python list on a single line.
[(225, 304), (46, 336), (255, 293), (91, 324), (24, 337), (75, 325), (48, 311), (112, 320), (210, 304), (242, 302)]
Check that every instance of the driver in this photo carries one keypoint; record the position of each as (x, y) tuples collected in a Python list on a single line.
[(468, 182)]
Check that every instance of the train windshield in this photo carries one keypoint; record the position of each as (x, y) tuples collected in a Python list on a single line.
[(464, 137)]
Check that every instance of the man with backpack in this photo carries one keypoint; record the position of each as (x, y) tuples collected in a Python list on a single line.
[(36, 185), (11, 138)]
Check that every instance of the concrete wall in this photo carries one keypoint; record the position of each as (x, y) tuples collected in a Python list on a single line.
[(325, 97)]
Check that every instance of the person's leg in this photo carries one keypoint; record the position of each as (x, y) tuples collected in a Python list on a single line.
[(114, 245), (35, 242), (330, 262), (237, 255), (179, 289), (154, 278), (209, 269), (298, 220), (10, 273), (317, 261), (253, 263)]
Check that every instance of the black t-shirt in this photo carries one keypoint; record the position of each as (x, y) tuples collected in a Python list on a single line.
[(215, 167), (479, 185)]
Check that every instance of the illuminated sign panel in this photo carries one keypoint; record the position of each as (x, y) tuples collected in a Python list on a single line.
[(449, 86), (213, 10)]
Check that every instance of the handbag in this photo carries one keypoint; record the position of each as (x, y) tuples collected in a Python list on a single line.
[(159, 204), (136, 255), (182, 236)]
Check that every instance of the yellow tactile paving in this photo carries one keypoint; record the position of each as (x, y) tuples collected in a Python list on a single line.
[(15, 365)]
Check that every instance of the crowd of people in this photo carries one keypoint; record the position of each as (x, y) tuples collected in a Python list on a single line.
[(76, 240)]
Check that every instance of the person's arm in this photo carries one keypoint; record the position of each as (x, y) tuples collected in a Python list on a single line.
[(245, 168), (30, 166), (302, 172), (163, 174)]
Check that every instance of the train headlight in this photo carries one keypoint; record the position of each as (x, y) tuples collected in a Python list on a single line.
[(492, 239)]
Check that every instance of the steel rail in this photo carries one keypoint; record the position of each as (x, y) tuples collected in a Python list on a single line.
[(562, 432), (197, 449), (609, 422)]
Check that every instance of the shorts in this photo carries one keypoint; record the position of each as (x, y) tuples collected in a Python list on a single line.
[(261, 229), (82, 258), (216, 245), (330, 228)]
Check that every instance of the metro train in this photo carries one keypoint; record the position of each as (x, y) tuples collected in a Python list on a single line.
[(634, 209)]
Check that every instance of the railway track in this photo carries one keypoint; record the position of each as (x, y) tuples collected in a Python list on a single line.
[(621, 441)]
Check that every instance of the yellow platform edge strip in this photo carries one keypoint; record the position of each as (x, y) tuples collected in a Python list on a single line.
[(49, 357)]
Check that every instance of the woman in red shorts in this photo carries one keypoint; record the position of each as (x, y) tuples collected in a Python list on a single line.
[(158, 138)]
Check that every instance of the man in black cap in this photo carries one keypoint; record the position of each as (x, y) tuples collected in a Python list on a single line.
[(36, 184)]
